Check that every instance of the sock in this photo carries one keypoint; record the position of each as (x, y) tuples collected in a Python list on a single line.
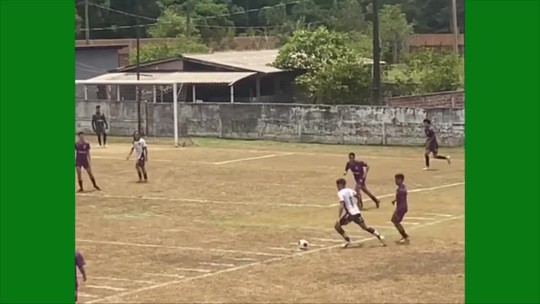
[(80, 184), (93, 181), (440, 157), (104, 138), (402, 232), (346, 238), (373, 231), (140, 175), (145, 176), (99, 139), (427, 161)]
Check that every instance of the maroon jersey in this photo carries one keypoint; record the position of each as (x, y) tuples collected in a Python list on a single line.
[(401, 198), (79, 264), (357, 168), (82, 150), (431, 142)]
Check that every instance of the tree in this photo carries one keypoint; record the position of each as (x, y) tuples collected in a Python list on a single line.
[(171, 24), (78, 23), (348, 16), (394, 28), (335, 73), (156, 51)]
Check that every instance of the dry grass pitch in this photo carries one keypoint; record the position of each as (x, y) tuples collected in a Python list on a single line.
[(219, 222)]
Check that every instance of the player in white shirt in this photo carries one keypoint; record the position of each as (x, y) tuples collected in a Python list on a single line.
[(141, 150), (350, 212)]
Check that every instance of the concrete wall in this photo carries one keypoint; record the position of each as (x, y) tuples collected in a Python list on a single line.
[(283, 122), (453, 99)]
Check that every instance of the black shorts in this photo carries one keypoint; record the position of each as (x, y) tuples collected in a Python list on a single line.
[(347, 218)]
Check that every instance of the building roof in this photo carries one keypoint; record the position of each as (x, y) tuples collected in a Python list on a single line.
[(228, 78), (257, 61)]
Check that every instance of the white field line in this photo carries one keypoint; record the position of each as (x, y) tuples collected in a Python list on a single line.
[(217, 264), (180, 248), (245, 266), (202, 201), (311, 245), (252, 158), (124, 159), (104, 287), (197, 201), (438, 214), (279, 248), (413, 191), (383, 227), (120, 279), (420, 218), (328, 240), (86, 295), (240, 259), (409, 223), (164, 275), (194, 270)]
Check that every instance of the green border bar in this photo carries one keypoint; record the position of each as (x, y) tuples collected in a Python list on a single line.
[(502, 146), (37, 201)]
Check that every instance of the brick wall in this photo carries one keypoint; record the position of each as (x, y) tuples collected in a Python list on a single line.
[(454, 99)]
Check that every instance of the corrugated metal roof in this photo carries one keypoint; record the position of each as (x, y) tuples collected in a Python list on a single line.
[(168, 78), (257, 61)]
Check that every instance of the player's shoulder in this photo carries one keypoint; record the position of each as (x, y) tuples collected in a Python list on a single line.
[(345, 191), (402, 188)]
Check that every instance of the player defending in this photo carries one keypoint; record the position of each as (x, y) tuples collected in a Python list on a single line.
[(140, 147), (99, 125), (349, 212), (82, 160), (79, 264), (431, 144), (357, 168), (401, 208)]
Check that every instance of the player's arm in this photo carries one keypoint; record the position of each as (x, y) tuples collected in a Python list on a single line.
[(105, 121), (346, 169), (366, 166), (94, 122), (341, 209), (89, 157), (130, 152), (80, 265), (145, 150)]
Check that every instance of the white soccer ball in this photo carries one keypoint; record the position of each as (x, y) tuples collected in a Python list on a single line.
[(303, 244)]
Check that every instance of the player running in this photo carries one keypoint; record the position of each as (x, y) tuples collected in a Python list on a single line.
[(349, 212), (99, 125), (82, 160), (431, 144), (141, 150), (357, 169), (401, 208), (79, 264)]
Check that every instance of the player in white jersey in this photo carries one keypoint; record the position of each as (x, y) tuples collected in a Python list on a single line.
[(350, 212), (141, 150)]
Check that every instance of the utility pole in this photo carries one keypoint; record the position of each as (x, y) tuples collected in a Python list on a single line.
[(86, 23), (138, 91), (455, 27), (376, 55)]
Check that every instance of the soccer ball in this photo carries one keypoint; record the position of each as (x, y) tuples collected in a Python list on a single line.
[(303, 244)]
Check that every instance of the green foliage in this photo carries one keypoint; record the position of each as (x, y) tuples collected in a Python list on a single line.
[(394, 28), (428, 72), (156, 51), (78, 23), (334, 71), (171, 24), (348, 16)]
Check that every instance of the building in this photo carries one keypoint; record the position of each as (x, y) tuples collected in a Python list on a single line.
[(94, 60), (240, 76)]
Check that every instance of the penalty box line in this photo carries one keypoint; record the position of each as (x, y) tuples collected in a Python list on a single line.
[(202, 201), (245, 266)]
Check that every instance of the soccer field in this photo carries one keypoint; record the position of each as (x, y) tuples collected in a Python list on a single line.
[(219, 222)]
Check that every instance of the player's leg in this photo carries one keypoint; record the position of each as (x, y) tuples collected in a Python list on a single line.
[(397, 217), (358, 189), (92, 178), (371, 196), (142, 167), (426, 157), (104, 138), (139, 172), (338, 226), (98, 133), (437, 156), (360, 222), (79, 178)]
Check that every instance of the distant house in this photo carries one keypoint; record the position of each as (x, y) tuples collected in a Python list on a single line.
[(240, 76)]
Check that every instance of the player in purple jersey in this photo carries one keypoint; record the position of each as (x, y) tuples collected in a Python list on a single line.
[(82, 160), (431, 144), (401, 208), (79, 264), (360, 176)]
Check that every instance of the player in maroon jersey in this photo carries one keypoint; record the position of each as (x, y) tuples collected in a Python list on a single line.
[(82, 160), (432, 147), (401, 207), (360, 176), (79, 264)]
